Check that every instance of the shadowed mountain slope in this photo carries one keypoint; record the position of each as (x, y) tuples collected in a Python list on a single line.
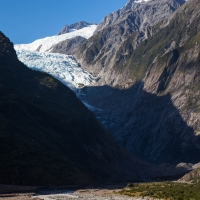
[(158, 118), (48, 137), (148, 125)]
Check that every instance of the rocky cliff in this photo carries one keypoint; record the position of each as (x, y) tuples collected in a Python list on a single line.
[(99, 54), (140, 14), (193, 175), (153, 108), (69, 46)]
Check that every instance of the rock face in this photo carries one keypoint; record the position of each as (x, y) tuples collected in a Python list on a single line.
[(76, 26), (139, 15), (99, 54), (193, 175), (69, 46), (48, 137), (153, 110)]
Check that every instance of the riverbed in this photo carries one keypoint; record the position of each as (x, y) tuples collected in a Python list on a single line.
[(85, 194)]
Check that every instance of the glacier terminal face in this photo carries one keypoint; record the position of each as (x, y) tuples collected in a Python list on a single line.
[(63, 67)]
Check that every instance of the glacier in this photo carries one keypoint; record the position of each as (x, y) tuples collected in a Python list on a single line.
[(46, 44), (62, 67)]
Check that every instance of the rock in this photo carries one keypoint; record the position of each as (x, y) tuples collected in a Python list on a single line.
[(77, 26), (68, 47), (100, 53), (191, 176)]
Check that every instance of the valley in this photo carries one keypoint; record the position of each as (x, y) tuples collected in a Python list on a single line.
[(138, 90), (115, 103), (133, 191)]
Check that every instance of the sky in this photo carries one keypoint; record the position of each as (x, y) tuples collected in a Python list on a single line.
[(24, 21)]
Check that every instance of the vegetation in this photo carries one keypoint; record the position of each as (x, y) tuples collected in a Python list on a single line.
[(165, 190), (97, 44), (178, 32)]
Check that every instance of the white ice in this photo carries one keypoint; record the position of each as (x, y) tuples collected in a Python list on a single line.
[(140, 1), (63, 67), (46, 44)]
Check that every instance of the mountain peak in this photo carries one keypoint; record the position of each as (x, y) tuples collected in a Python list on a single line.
[(77, 26), (140, 1), (144, 12)]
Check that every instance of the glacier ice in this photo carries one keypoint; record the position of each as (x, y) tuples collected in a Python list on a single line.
[(63, 67)]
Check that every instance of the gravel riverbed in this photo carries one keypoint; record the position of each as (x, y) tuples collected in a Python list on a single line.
[(86, 197), (72, 195), (92, 194)]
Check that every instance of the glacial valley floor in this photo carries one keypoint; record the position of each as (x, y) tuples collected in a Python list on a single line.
[(86, 194)]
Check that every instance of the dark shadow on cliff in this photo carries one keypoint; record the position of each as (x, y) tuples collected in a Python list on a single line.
[(148, 125)]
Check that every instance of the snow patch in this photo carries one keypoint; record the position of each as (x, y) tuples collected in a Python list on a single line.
[(141, 1), (46, 44)]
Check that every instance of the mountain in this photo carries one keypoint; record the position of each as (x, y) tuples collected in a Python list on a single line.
[(77, 26), (138, 15), (153, 108), (99, 53), (70, 46), (48, 137)]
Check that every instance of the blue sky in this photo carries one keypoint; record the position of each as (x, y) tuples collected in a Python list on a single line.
[(23, 21)]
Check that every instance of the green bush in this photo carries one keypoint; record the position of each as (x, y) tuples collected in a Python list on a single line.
[(165, 190)]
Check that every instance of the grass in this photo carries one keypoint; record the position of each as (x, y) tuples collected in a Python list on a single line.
[(164, 190)]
